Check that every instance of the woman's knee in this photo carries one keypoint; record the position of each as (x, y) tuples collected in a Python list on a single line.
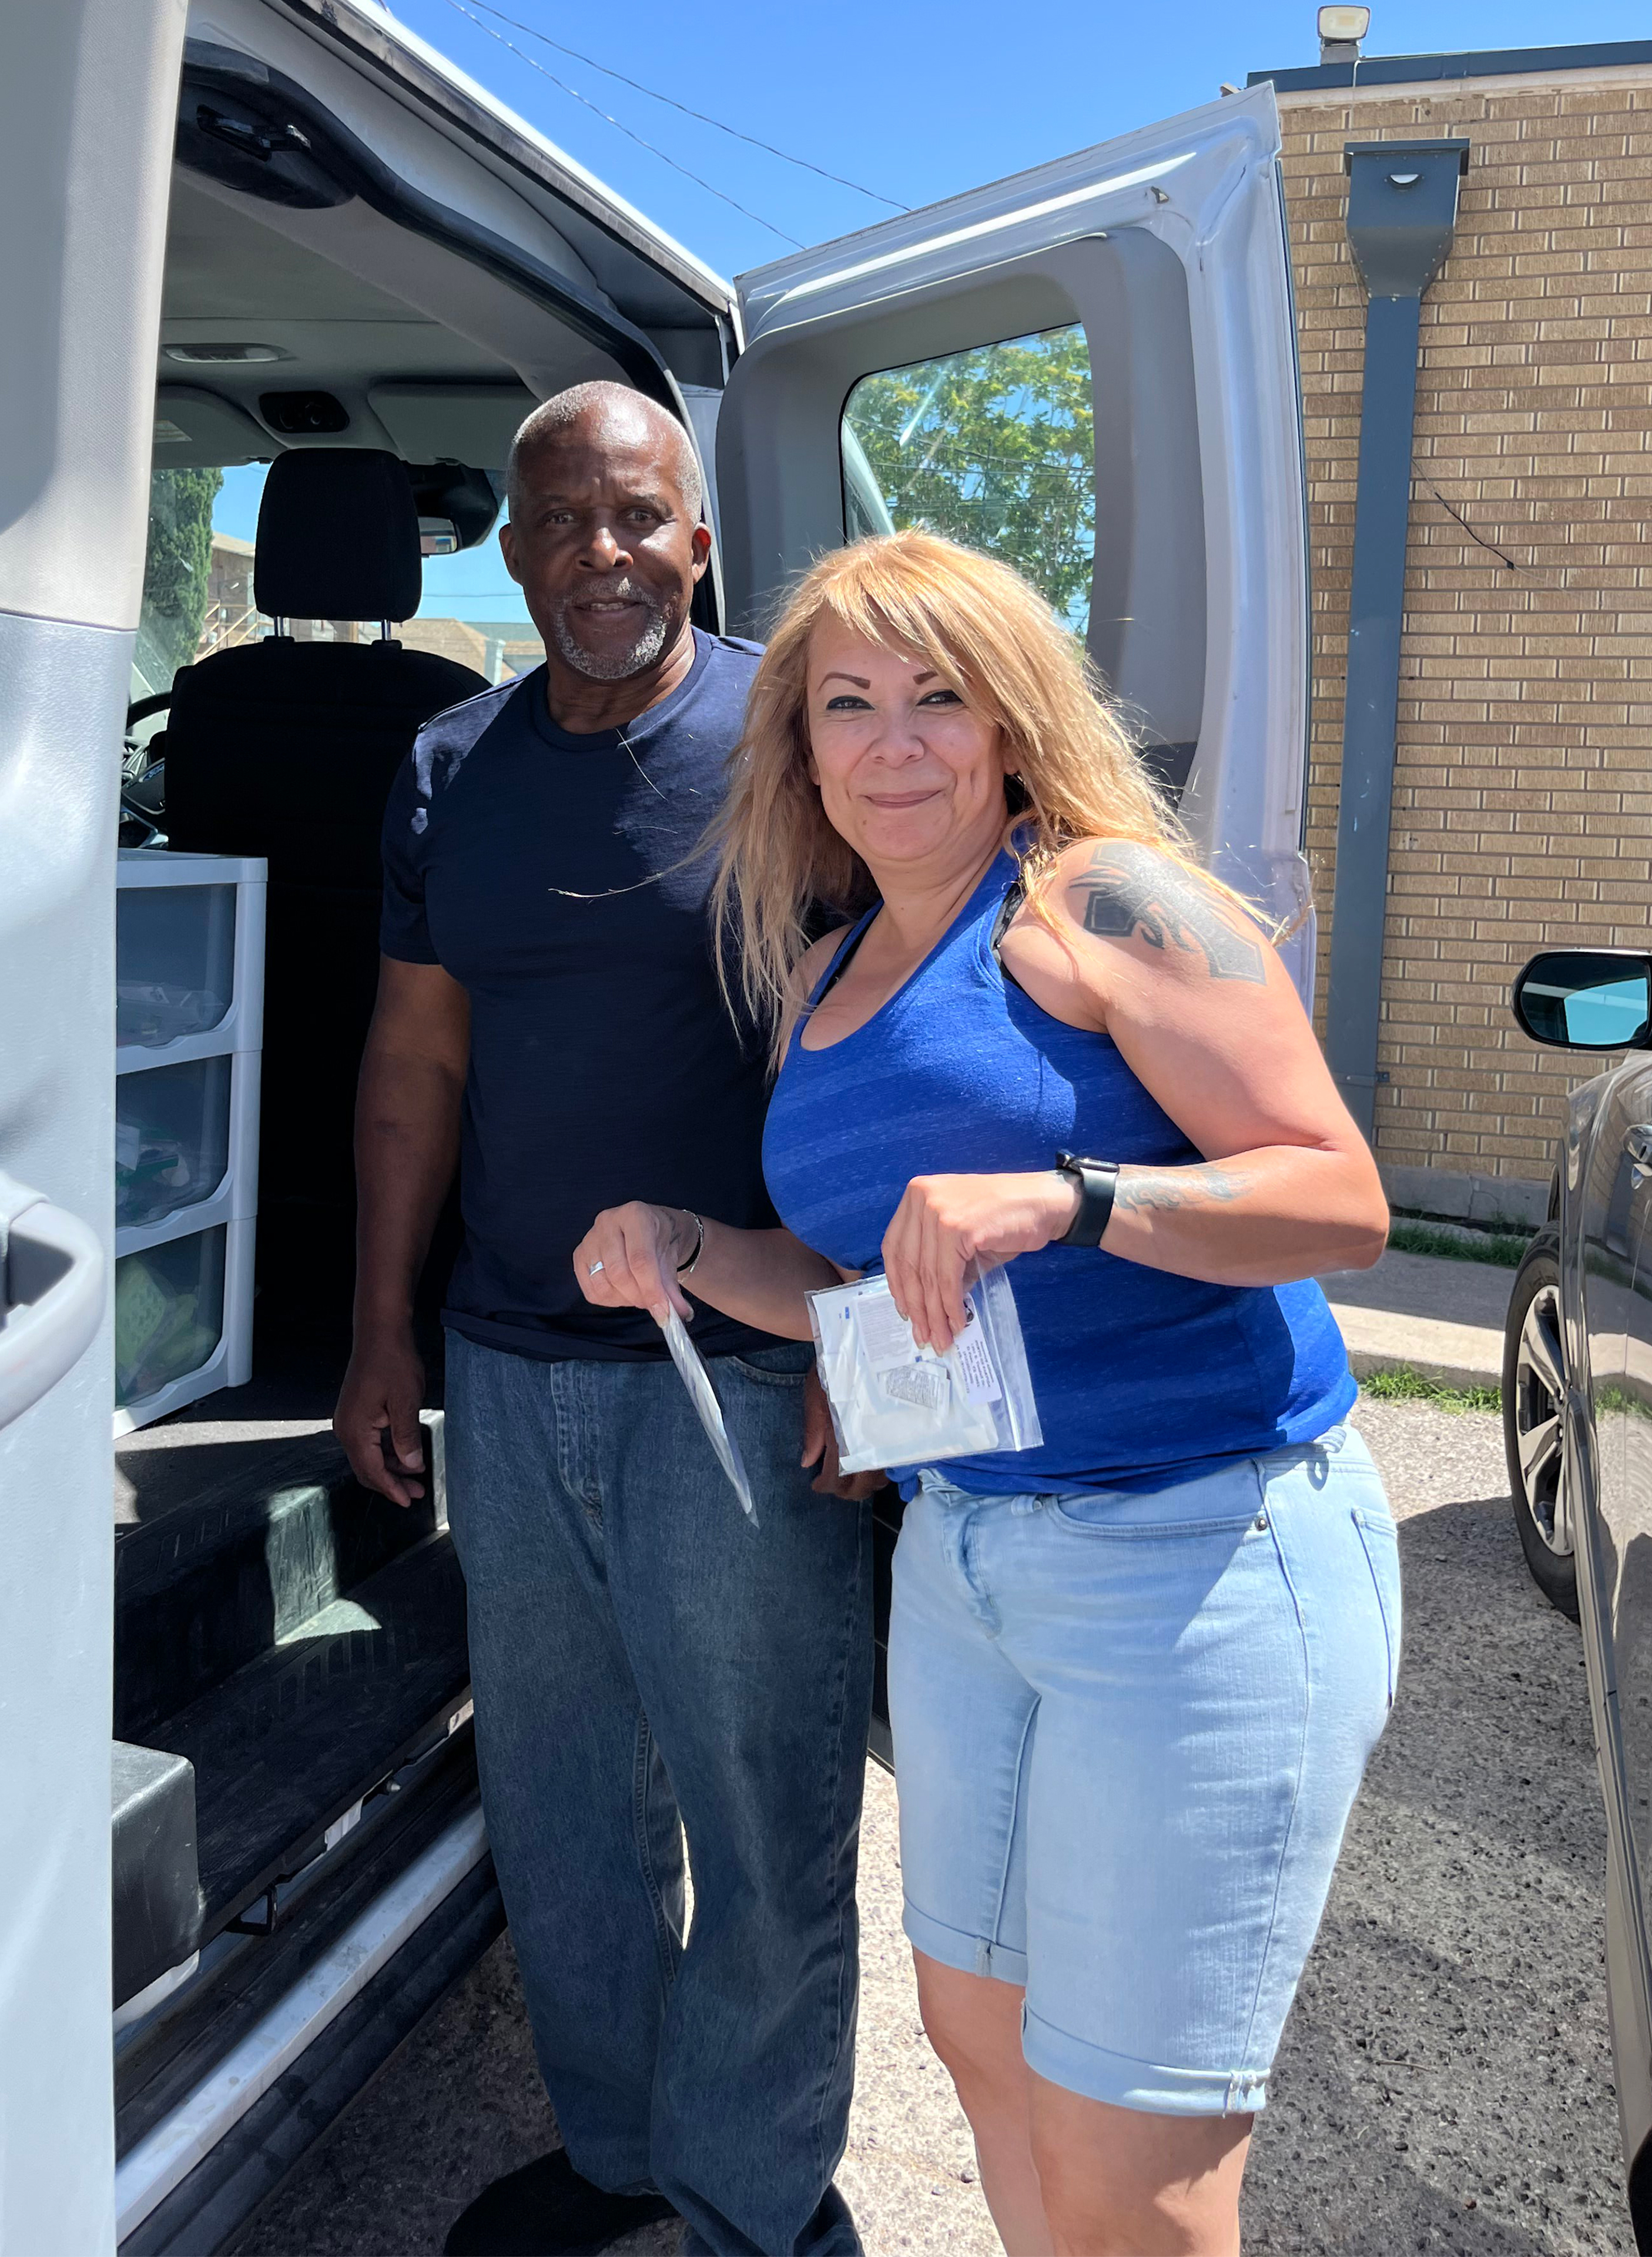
[(1116, 2183), (974, 2023)]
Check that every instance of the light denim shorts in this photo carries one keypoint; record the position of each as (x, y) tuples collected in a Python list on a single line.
[(1129, 1733)]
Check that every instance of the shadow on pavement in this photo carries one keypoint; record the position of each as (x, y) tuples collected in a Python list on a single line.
[(1445, 2080)]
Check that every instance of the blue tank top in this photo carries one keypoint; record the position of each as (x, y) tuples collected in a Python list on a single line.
[(1141, 1378)]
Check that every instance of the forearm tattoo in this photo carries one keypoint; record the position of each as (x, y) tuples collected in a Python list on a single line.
[(1169, 1189), (1129, 889)]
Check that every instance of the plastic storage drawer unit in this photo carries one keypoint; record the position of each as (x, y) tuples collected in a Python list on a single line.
[(188, 1028)]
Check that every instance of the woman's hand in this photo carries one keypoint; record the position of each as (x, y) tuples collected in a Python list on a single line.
[(628, 1259), (945, 1222)]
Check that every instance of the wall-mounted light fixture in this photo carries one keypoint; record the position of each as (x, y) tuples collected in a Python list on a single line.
[(1341, 30)]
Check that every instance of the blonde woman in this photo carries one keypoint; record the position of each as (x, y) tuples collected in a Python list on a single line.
[(1135, 1673)]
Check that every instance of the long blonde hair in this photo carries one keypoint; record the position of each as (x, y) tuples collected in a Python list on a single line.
[(1073, 766)]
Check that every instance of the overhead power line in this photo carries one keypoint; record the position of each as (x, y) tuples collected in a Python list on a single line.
[(670, 102), (574, 91)]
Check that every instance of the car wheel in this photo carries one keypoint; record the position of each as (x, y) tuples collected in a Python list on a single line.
[(1534, 1394)]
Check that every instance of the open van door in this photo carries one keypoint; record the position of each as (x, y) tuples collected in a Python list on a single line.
[(86, 117), (950, 369)]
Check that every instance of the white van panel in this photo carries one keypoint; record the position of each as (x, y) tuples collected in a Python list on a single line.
[(412, 144), (81, 143), (86, 107), (486, 125), (1168, 245)]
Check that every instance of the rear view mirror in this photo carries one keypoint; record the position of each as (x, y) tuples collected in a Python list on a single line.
[(1586, 999)]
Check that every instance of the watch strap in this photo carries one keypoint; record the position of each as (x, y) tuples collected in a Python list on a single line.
[(1096, 1182)]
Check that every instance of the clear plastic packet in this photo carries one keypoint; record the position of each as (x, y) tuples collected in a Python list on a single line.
[(895, 1403), (152, 1013), (694, 1377)]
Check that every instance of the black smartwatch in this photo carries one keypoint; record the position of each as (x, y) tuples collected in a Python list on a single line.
[(1095, 1181)]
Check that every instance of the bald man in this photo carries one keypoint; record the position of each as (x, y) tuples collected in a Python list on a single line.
[(645, 1660)]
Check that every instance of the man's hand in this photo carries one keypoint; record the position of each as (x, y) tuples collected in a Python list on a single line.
[(384, 1390), (820, 1441)]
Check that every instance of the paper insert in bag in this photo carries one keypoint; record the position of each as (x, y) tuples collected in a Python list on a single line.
[(895, 1403)]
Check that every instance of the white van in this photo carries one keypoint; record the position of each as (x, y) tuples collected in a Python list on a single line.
[(284, 232)]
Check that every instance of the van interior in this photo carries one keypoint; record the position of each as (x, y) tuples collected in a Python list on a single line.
[(291, 1673)]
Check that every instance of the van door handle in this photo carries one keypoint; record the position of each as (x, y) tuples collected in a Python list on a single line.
[(51, 1295), (1638, 1145)]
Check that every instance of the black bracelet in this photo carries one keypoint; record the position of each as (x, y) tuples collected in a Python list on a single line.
[(686, 1269), (1095, 1181)]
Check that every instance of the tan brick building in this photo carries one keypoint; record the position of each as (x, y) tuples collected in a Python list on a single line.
[(1522, 804)]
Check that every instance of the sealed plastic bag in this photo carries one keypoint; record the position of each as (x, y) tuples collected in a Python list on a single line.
[(895, 1403), (702, 1395), (151, 1012)]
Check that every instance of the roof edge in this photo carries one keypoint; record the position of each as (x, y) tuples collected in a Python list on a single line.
[(1491, 62)]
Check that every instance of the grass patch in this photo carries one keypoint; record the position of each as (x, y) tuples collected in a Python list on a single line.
[(1502, 1251), (1405, 1385)]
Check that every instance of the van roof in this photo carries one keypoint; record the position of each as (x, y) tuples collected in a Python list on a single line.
[(423, 76)]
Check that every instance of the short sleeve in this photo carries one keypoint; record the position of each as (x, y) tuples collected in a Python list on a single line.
[(403, 930)]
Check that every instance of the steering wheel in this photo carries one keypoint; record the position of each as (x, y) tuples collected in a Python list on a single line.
[(137, 806), (141, 708)]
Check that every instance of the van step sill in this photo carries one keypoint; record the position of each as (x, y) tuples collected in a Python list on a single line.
[(285, 1745), (269, 1537)]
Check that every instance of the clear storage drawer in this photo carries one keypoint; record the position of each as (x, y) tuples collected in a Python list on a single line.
[(168, 1312), (174, 961), (172, 1139)]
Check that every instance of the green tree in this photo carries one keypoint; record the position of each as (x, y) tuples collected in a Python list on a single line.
[(178, 562), (994, 447)]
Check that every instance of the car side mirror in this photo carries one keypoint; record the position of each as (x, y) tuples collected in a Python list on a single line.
[(1586, 999)]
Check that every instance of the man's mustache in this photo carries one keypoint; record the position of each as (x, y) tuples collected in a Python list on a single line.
[(625, 591)]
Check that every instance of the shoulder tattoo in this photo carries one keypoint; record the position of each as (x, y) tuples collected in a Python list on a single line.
[(1129, 890)]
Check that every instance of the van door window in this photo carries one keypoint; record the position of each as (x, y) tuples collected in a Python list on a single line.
[(994, 447), (177, 575)]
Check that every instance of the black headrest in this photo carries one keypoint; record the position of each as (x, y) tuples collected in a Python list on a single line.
[(338, 537)]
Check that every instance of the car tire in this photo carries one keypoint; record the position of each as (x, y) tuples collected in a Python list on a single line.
[(1533, 1405)]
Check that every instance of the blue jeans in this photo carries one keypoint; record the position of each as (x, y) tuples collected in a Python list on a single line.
[(646, 1663), (1129, 1733)]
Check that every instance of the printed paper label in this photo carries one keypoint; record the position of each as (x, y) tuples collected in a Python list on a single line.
[(978, 1371), (885, 1334)]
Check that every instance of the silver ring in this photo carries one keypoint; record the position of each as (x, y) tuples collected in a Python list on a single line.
[(591, 1267)]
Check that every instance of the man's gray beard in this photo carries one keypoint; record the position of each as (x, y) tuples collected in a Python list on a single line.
[(643, 653)]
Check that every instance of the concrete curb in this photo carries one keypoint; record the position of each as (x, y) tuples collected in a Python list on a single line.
[(1453, 1355)]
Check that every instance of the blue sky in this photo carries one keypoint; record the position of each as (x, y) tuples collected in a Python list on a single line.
[(913, 98), (910, 98)]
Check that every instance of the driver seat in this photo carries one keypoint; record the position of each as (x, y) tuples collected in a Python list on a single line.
[(288, 749)]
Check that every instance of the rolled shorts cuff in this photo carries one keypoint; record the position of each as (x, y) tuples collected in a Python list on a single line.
[(1078, 2066), (971, 1954)]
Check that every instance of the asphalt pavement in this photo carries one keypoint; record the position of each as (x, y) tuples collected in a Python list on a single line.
[(1445, 2080)]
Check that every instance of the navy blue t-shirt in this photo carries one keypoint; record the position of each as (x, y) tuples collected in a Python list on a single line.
[(539, 869)]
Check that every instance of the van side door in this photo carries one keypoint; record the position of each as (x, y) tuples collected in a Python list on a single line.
[(87, 103), (1088, 370)]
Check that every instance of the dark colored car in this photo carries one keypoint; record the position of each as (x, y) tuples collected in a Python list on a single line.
[(1577, 1422)]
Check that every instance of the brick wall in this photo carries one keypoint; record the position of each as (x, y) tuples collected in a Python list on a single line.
[(1522, 810)]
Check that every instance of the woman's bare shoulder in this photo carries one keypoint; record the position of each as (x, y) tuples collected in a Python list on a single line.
[(811, 969), (818, 955), (1135, 894)]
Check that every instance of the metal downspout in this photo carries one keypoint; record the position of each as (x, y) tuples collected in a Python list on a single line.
[(1401, 214)]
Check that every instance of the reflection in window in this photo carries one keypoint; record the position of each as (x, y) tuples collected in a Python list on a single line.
[(994, 447), (1608, 1017)]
